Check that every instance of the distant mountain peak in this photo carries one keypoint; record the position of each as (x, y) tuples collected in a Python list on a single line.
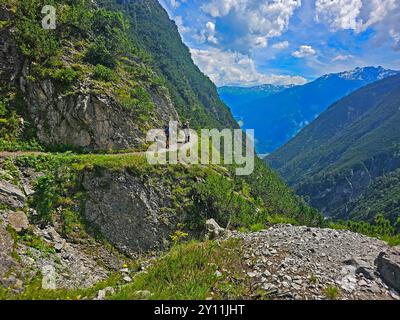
[(369, 73)]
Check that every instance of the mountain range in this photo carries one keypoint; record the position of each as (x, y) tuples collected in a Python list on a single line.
[(278, 117), (236, 97), (345, 162)]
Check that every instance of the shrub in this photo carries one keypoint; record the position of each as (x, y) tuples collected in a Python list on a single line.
[(381, 228), (332, 293), (257, 227), (17, 145), (34, 41), (66, 75), (98, 53), (9, 120), (104, 74), (222, 199), (138, 100)]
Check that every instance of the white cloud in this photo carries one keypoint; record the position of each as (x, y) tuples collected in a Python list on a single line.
[(396, 38), (176, 3), (304, 51), (339, 14), (342, 58), (359, 15), (258, 20), (230, 68), (281, 45), (210, 26), (210, 33)]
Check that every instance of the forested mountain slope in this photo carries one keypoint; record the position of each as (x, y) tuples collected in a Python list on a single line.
[(336, 158), (194, 95)]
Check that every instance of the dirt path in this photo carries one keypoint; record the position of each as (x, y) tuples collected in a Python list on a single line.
[(176, 147)]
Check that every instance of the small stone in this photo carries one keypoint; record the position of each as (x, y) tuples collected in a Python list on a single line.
[(102, 294), (267, 273), (296, 286), (127, 279), (143, 294), (59, 246), (218, 274), (124, 270), (269, 287), (363, 283), (252, 274), (288, 278), (18, 221), (374, 288)]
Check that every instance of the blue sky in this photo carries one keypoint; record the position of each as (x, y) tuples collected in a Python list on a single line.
[(251, 42)]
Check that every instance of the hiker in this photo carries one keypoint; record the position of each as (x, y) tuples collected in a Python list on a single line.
[(21, 125), (167, 134), (186, 130)]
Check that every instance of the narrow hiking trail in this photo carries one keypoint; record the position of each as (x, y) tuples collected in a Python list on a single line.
[(175, 147)]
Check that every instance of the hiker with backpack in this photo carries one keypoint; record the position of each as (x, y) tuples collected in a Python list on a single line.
[(186, 130)]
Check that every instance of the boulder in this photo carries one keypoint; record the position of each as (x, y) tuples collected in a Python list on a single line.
[(361, 267), (49, 277), (18, 220), (389, 268), (102, 294), (214, 231), (11, 196)]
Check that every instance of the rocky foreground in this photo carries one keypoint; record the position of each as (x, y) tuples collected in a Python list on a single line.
[(291, 262)]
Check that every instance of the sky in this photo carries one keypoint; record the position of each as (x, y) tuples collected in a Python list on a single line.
[(253, 42)]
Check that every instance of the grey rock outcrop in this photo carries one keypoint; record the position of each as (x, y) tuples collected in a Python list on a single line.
[(87, 120), (389, 268), (214, 231), (128, 211), (10, 56), (11, 196)]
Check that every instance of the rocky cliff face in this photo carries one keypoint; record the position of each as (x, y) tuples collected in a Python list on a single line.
[(85, 117), (138, 221), (124, 209), (84, 120)]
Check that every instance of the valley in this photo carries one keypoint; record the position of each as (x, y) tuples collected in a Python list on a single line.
[(278, 117), (345, 151), (85, 216)]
